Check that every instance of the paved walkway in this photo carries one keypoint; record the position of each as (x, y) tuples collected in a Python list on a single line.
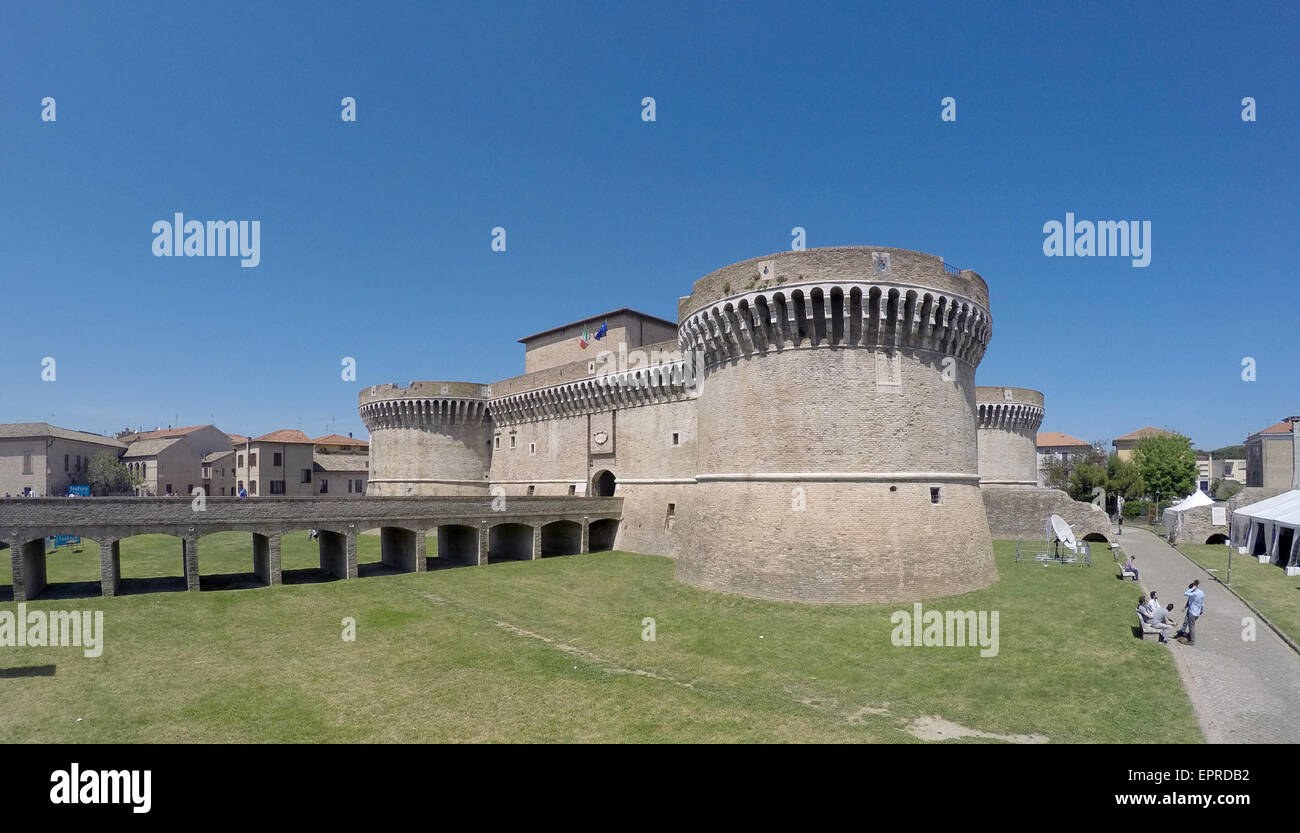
[(1243, 692)]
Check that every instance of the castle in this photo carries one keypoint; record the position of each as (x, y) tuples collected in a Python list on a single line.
[(808, 430)]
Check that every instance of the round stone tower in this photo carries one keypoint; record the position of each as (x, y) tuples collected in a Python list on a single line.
[(1008, 435), (837, 458), (429, 439)]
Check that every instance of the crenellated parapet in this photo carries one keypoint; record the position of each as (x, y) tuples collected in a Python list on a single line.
[(1011, 416), (424, 405), (626, 389), (1007, 420), (847, 313)]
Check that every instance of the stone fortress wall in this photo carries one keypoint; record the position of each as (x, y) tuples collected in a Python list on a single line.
[(1009, 419), (814, 434)]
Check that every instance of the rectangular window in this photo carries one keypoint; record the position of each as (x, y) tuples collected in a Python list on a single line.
[(531, 489), (240, 461), (277, 459), (189, 488), (207, 472), (349, 485), (27, 463), (512, 440), (65, 462), (252, 487), (498, 439), (277, 487), (676, 439), (532, 448), (306, 476), (934, 494), (573, 489), (252, 458), (325, 487), (169, 488)]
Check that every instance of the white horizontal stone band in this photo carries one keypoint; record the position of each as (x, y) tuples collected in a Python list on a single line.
[(652, 481), (1008, 482), (578, 479), (842, 477), (427, 480)]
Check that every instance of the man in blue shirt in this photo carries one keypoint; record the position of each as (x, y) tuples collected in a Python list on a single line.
[(1195, 607)]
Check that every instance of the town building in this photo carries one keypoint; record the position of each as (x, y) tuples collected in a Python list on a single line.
[(1052, 446), (278, 463), (41, 460), (1124, 445), (1273, 456), (341, 465)]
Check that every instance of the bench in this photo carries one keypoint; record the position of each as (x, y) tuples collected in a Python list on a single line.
[(1146, 628), (1123, 574)]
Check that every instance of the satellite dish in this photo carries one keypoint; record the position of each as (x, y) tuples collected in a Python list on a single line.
[(1063, 532)]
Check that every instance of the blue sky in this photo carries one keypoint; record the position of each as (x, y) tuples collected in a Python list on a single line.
[(375, 236)]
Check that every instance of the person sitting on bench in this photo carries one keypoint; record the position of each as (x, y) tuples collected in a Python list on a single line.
[(1162, 621), (1129, 568)]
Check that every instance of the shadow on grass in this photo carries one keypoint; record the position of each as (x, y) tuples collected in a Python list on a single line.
[(160, 584), (230, 581), (306, 575), (71, 590), (431, 564), (27, 671), (376, 568)]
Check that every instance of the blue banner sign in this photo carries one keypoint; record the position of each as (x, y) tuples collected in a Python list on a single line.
[(79, 491), (64, 540)]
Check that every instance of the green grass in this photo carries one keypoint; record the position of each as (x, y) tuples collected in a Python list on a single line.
[(552, 650), (1266, 586)]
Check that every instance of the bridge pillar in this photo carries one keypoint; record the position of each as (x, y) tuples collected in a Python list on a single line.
[(266, 558), (483, 537), (338, 553), (110, 566), (28, 564), (402, 549), (586, 536), (190, 561), (537, 542)]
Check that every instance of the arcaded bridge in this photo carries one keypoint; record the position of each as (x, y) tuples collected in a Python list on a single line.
[(470, 529)]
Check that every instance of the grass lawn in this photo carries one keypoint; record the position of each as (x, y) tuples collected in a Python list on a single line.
[(552, 650), (1266, 586)]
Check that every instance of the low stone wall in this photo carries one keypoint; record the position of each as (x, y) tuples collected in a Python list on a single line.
[(1021, 513), (1194, 526)]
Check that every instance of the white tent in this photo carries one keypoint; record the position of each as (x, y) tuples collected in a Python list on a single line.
[(1197, 498), (1270, 529)]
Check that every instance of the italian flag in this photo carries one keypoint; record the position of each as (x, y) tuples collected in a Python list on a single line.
[(584, 340)]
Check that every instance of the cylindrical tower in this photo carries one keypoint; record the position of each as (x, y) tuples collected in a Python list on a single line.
[(429, 439), (1008, 435), (836, 428)]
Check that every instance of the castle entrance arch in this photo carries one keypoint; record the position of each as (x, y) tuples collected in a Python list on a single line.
[(602, 485)]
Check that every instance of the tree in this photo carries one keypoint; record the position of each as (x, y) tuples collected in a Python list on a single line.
[(1085, 478), (106, 475), (1167, 465), (1124, 478)]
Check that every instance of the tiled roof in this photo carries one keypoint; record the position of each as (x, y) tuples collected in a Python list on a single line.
[(339, 439), (216, 455), (169, 432), (1147, 432), (44, 429), (1054, 439), (148, 448), (340, 462), (284, 435)]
